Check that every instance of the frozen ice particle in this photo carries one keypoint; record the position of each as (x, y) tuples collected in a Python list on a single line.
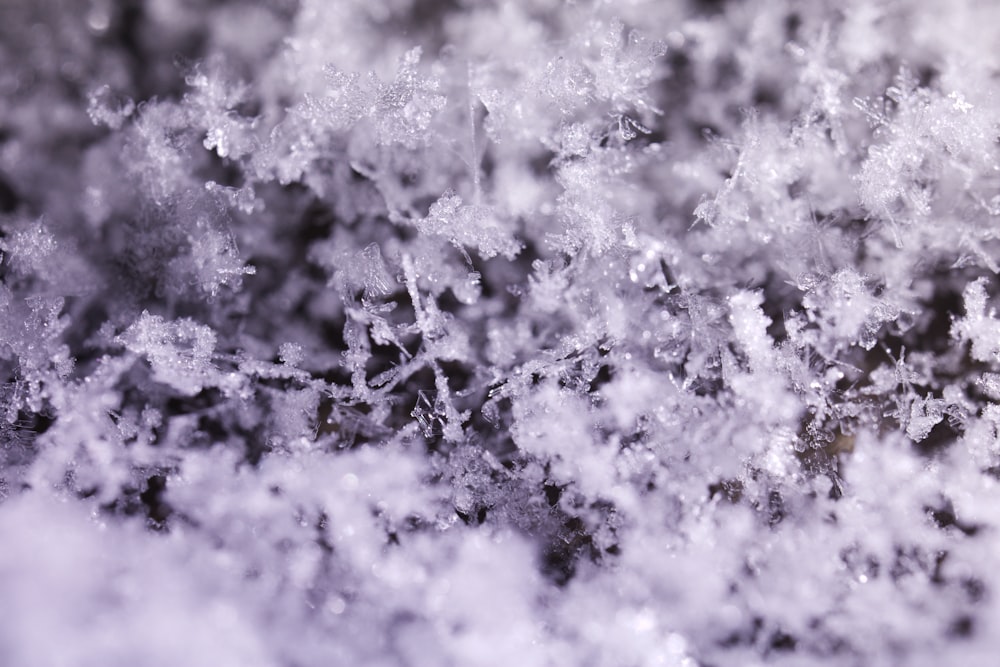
[(179, 351), (980, 326), (109, 109)]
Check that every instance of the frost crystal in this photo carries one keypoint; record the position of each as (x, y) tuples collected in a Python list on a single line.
[(516, 333), (979, 326), (179, 352)]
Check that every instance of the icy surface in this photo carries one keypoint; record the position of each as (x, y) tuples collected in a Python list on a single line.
[(451, 333)]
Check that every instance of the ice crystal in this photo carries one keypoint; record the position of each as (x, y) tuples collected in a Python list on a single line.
[(534, 333)]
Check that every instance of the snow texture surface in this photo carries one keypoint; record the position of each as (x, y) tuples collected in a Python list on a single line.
[(482, 333)]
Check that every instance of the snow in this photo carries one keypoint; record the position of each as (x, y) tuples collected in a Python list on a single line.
[(522, 333)]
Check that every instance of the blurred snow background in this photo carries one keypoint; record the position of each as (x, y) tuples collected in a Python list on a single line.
[(482, 333)]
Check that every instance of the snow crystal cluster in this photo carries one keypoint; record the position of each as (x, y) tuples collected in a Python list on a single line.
[(482, 333)]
